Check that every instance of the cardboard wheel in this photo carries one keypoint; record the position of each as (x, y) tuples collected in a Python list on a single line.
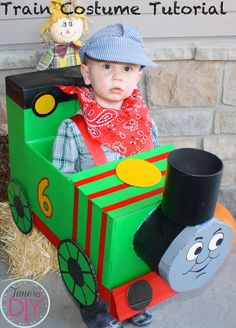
[(77, 273), (19, 206)]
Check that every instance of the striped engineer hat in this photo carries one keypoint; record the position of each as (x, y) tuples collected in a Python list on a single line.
[(117, 43)]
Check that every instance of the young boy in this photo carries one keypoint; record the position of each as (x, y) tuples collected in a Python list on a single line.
[(115, 115)]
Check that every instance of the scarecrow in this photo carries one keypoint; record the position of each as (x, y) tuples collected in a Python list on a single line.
[(63, 32)]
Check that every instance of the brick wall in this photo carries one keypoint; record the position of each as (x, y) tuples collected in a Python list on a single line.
[(191, 95)]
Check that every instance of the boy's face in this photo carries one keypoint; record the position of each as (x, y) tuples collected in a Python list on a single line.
[(111, 82)]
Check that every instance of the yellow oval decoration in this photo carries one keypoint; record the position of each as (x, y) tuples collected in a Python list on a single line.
[(138, 172), (45, 104)]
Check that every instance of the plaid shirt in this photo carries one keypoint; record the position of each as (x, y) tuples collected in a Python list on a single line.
[(70, 153), (51, 59)]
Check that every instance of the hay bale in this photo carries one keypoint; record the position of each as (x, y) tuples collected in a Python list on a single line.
[(4, 167), (28, 256)]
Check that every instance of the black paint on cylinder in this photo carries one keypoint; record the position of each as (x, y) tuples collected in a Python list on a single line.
[(154, 237), (191, 186)]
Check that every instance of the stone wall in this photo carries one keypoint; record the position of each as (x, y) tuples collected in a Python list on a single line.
[(191, 95)]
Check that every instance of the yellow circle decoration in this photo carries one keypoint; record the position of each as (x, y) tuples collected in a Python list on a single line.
[(44, 105), (138, 172)]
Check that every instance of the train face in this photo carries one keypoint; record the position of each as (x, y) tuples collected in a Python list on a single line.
[(109, 245), (194, 243), (196, 255)]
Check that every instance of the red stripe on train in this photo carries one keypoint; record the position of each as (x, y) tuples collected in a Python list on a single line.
[(102, 246), (132, 200), (75, 214), (95, 178), (88, 227), (108, 191), (157, 158)]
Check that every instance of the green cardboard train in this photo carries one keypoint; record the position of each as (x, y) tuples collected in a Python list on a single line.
[(133, 246)]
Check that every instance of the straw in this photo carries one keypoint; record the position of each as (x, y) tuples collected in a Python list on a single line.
[(28, 256)]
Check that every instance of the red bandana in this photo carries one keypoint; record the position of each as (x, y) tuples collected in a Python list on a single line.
[(126, 130)]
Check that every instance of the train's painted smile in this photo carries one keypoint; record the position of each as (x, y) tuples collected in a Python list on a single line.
[(210, 258)]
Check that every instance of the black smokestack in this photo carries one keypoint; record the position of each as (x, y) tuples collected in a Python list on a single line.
[(191, 186)]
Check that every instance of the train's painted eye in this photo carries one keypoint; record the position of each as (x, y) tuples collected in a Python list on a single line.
[(216, 241), (194, 251)]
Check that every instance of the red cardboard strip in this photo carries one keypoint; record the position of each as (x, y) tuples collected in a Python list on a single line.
[(75, 213), (119, 306), (132, 200)]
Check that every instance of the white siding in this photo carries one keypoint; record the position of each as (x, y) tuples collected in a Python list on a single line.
[(22, 29)]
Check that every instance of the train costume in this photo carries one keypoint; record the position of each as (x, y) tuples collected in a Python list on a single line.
[(131, 233)]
